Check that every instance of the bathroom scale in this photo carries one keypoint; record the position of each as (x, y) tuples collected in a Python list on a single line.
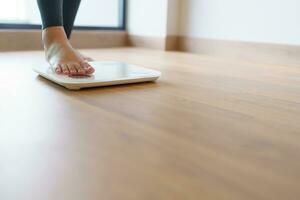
[(107, 73)]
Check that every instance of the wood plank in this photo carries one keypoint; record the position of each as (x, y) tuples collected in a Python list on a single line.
[(210, 128)]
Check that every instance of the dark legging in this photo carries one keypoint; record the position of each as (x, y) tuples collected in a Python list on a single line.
[(59, 13)]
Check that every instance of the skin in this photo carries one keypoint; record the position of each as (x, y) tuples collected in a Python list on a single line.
[(63, 58)]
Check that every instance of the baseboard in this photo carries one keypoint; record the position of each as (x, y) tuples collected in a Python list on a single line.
[(147, 42), (168, 43), (172, 42), (258, 52), (22, 40), (99, 39), (17, 40)]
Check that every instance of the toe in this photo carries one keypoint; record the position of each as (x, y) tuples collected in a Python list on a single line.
[(58, 69), (88, 68), (80, 70), (65, 69), (72, 69)]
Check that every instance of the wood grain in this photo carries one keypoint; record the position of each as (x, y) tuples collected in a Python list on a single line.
[(209, 129)]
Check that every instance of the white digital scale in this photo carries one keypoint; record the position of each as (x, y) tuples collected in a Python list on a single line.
[(107, 73)]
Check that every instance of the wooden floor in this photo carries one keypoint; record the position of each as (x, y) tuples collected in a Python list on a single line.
[(209, 129)]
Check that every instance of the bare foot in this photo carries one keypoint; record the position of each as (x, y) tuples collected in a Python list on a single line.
[(62, 56), (86, 58)]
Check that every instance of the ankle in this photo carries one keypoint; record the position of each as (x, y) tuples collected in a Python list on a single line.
[(54, 35)]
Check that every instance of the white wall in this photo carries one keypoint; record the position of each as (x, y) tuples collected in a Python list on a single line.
[(147, 17), (173, 18), (274, 21)]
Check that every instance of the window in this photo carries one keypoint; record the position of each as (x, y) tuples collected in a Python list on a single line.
[(92, 14)]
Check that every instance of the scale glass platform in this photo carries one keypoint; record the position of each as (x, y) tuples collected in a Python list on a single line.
[(107, 73)]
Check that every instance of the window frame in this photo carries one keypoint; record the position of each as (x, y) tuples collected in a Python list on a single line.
[(121, 27)]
